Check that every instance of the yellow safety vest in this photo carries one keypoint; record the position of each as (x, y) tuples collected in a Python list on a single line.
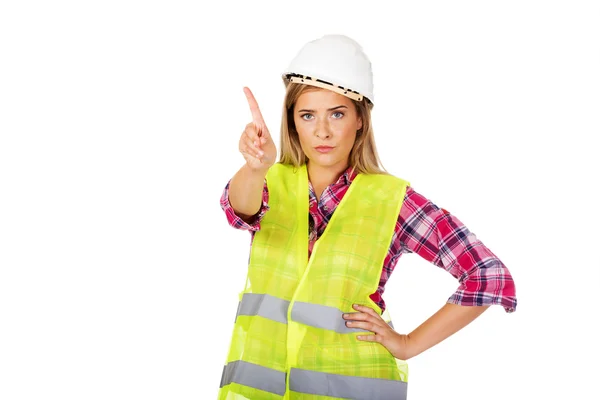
[(289, 339)]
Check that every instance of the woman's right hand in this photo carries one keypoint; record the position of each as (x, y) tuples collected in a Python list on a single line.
[(256, 144)]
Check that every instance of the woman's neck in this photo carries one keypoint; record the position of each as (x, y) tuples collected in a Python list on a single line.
[(320, 177)]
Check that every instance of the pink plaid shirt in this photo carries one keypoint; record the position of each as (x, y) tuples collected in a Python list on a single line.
[(422, 228)]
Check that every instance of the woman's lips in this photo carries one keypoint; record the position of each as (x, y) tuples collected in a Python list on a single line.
[(324, 149)]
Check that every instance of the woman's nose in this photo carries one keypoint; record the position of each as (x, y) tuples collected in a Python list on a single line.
[(322, 130)]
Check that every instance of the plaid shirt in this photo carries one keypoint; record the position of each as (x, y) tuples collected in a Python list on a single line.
[(422, 228)]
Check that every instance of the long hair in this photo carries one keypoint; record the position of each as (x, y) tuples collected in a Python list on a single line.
[(363, 156)]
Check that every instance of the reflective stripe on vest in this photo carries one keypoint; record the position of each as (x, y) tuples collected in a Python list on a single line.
[(347, 387), (265, 305), (315, 315), (255, 376), (313, 382)]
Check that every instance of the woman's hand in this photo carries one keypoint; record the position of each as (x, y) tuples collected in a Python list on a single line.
[(256, 144), (366, 318)]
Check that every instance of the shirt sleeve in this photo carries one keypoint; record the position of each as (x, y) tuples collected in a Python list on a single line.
[(235, 221), (442, 239)]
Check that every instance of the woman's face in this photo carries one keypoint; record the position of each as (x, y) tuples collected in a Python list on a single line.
[(326, 123)]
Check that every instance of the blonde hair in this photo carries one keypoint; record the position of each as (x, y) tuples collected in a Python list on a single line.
[(363, 156)]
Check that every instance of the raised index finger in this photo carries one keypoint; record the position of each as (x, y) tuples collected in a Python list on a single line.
[(256, 115)]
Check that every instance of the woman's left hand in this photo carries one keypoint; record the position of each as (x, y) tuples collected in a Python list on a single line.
[(368, 319)]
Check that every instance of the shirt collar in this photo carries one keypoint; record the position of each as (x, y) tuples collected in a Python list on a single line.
[(348, 176)]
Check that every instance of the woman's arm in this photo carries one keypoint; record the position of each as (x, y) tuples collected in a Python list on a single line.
[(448, 320), (258, 149), (442, 239), (445, 322), (246, 192), (234, 220)]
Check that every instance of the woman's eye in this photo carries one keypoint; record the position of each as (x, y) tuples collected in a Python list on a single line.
[(338, 115), (306, 117)]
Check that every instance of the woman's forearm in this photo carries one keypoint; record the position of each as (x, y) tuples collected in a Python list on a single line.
[(245, 191), (448, 320)]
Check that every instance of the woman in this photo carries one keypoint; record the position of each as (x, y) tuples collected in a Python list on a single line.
[(311, 320)]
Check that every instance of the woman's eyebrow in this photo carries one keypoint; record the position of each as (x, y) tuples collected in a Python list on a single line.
[(330, 109)]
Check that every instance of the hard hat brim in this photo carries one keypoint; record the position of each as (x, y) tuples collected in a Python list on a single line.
[(307, 80)]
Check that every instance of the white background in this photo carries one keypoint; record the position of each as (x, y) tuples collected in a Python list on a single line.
[(119, 124)]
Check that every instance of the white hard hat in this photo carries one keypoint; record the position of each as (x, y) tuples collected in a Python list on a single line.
[(334, 62)]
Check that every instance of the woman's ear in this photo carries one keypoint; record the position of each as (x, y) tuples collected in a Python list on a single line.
[(360, 124)]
